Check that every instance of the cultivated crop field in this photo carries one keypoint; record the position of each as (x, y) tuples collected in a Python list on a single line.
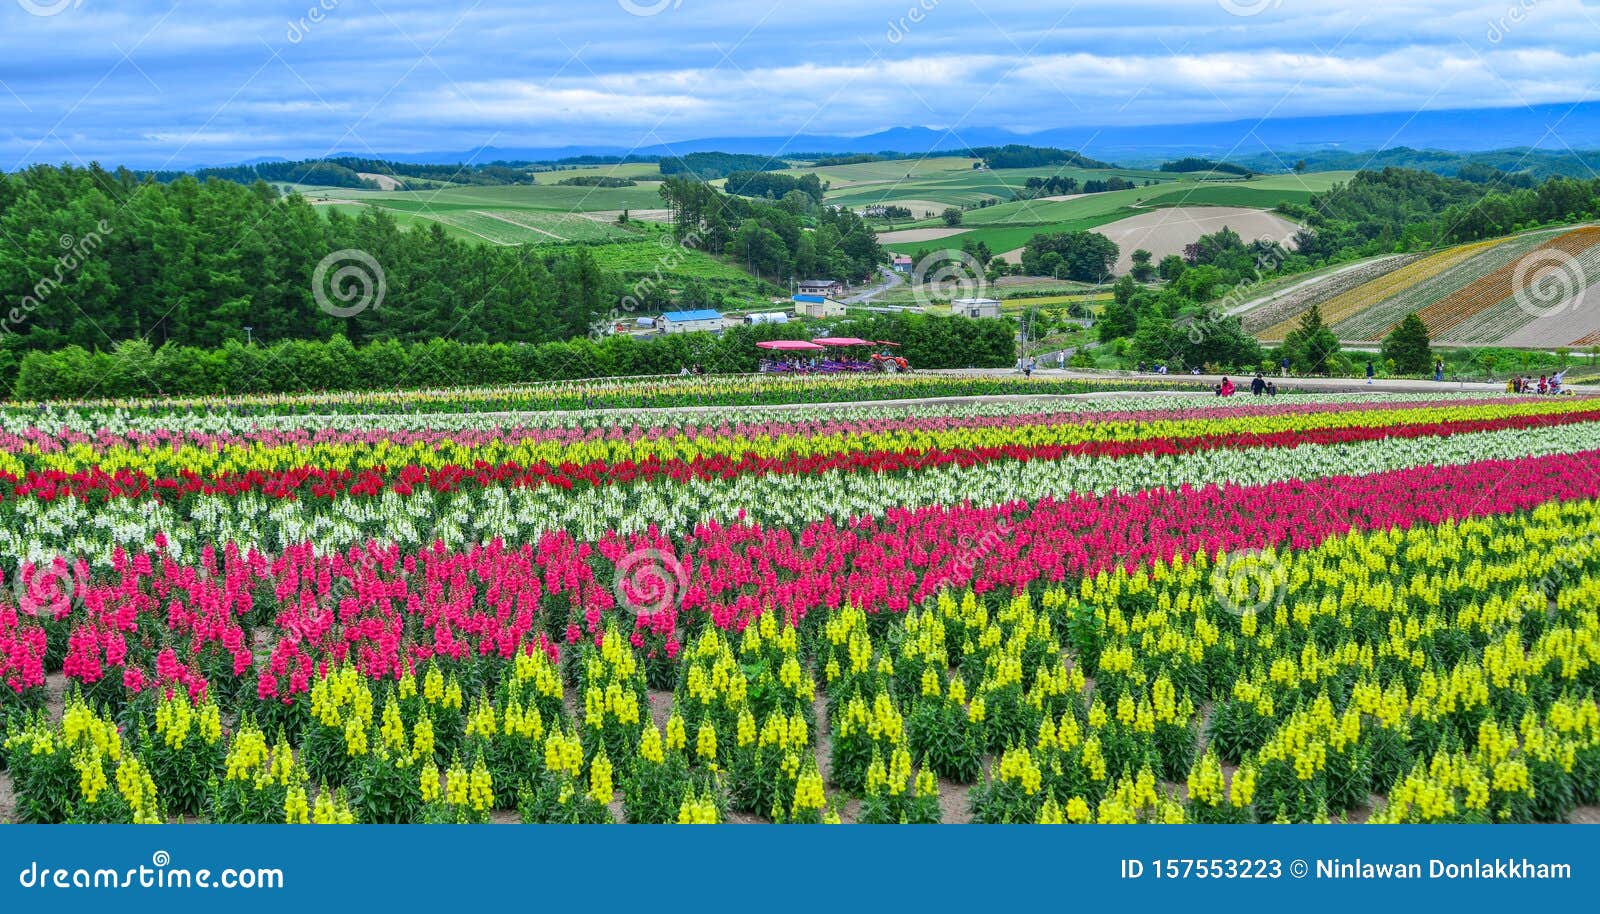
[(505, 215), (1006, 227), (729, 599), (1531, 289)]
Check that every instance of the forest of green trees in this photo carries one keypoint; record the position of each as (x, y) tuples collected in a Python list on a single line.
[(97, 257), (1018, 156), (709, 166), (790, 238)]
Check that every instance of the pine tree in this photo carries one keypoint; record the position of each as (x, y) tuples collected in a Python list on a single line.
[(1408, 346), (1311, 346)]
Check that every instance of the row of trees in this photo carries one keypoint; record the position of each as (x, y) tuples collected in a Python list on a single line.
[(1019, 156), (134, 368), (708, 166)]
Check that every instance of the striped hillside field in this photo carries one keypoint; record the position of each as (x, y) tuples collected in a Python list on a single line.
[(1376, 322), (1552, 319), (1364, 296), (1471, 300), (1296, 301)]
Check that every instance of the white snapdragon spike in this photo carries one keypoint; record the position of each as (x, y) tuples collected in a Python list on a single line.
[(71, 527)]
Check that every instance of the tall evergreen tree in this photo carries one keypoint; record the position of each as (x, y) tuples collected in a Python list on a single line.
[(1408, 347)]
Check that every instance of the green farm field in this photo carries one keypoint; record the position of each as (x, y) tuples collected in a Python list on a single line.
[(1008, 226)]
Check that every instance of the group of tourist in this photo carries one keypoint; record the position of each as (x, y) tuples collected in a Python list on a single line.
[(1525, 384)]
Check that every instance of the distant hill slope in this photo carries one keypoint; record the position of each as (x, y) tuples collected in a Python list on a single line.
[(1537, 289)]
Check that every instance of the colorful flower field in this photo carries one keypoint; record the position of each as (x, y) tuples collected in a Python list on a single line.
[(1523, 290), (1110, 609)]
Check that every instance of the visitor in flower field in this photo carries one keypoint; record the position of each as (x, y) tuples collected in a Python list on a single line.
[(1272, 389), (1258, 385), (1544, 384), (1438, 369), (1370, 371), (1283, 367)]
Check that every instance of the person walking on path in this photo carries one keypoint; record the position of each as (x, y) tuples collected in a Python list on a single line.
[(1369, 371), (1438, 369), (1283, 367), (1028, 366)]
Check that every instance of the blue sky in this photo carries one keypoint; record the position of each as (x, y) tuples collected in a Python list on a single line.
[(155, 82)]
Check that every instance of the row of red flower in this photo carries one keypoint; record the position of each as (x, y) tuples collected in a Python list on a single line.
[(319, 482)]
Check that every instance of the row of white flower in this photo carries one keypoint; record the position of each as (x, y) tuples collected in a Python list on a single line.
[(118, 421)]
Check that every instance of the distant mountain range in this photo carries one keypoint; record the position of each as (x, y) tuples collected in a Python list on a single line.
[(1559, 127)]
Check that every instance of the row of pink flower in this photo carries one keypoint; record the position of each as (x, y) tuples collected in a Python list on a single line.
[(153, 621), (50, 442)]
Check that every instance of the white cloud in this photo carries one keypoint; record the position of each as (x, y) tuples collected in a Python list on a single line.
[(590, 73)]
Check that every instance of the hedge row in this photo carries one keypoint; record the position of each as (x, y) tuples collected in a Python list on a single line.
[(135, 369)]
